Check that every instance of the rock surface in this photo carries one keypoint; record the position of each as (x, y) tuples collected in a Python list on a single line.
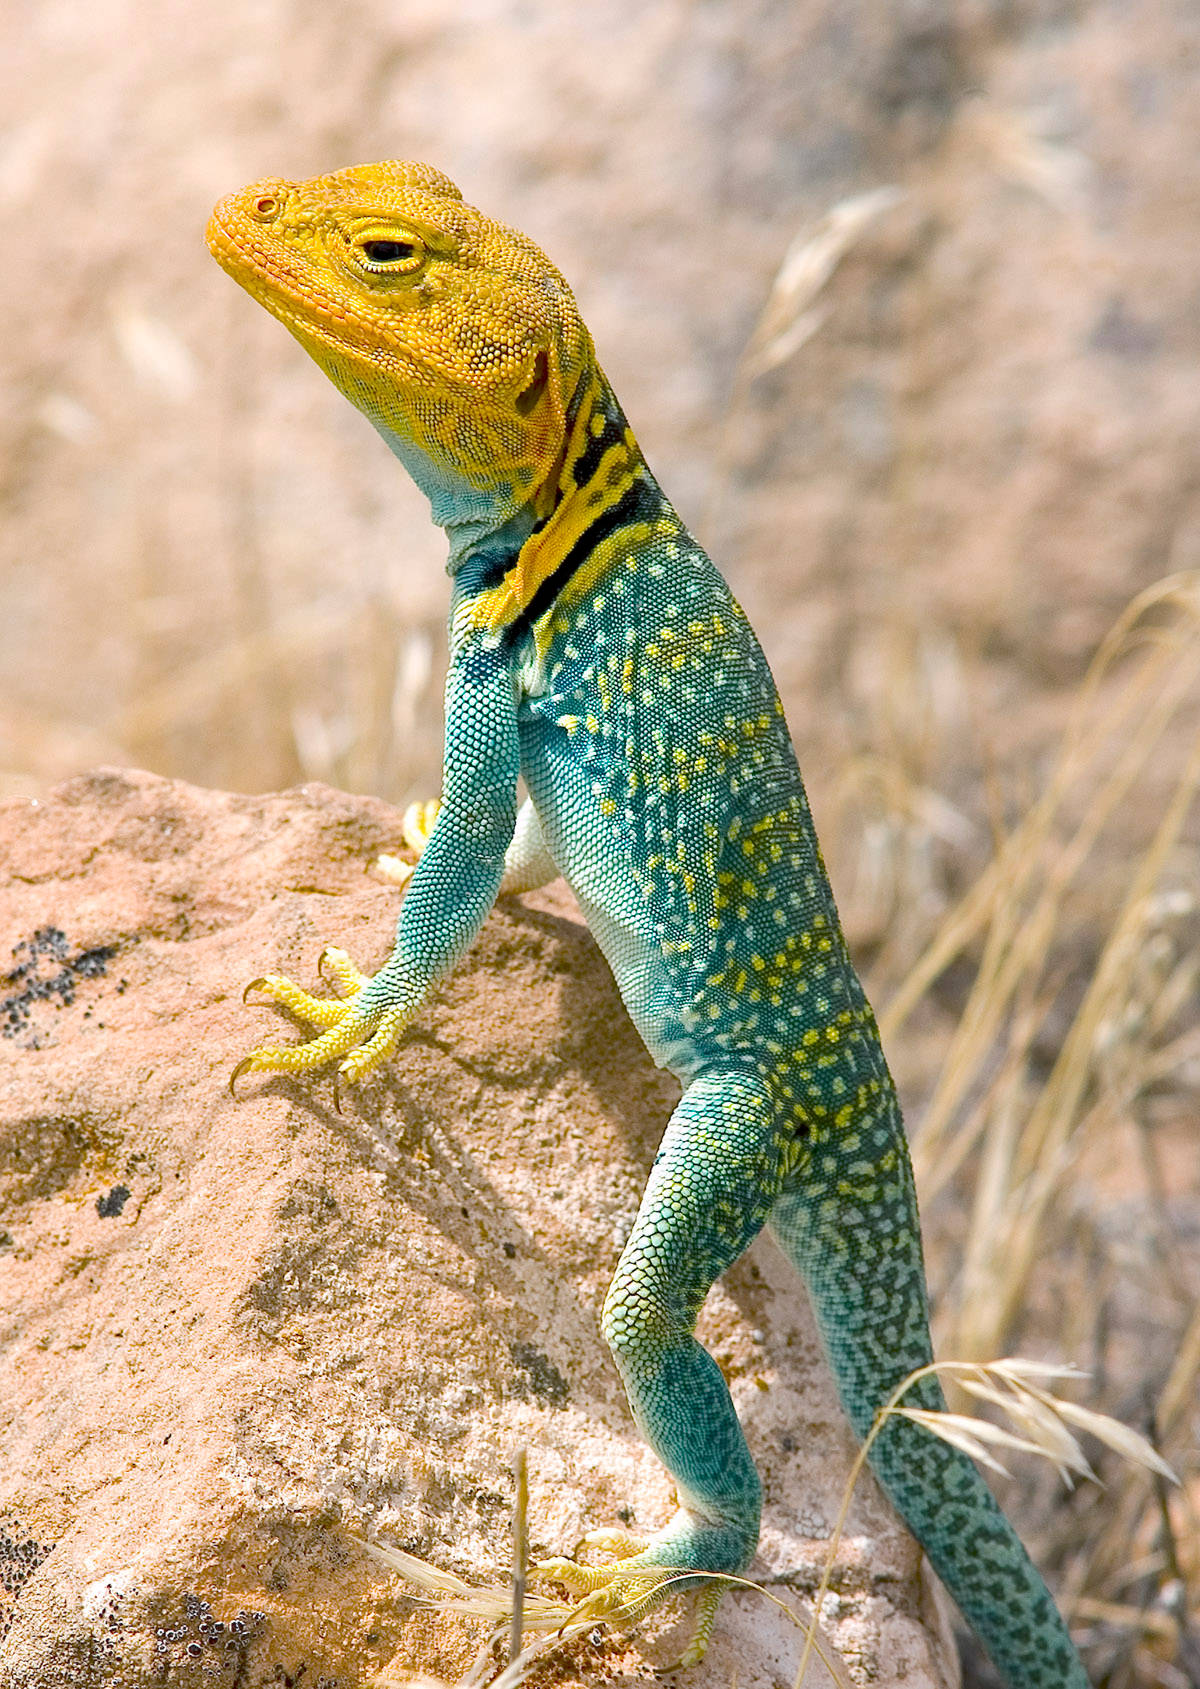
[(236, 1336)]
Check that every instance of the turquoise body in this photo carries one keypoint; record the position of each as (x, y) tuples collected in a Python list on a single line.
[(633, 697)]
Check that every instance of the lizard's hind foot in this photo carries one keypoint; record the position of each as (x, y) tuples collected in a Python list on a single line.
[(623, 1590)]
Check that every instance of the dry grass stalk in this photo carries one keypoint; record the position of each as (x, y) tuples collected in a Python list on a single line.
[(791, 315), (986, 1094), (520, 1565), (1018, 1388), (1045, 1066)]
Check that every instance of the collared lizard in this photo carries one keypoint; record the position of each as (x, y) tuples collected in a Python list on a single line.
[(597, 652)]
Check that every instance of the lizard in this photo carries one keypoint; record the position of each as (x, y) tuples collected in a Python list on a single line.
[(597, 653)]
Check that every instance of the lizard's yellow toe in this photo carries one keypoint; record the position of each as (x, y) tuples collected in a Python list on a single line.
[(621, 1593), (339, 967), (314, 1011), (580, 1580), (613, 1540), (367, 1057), (418, 823), (302, 1058), (341, 1025)]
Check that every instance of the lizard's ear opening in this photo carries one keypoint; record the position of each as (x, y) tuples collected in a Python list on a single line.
[(542, 402), (528, 397)]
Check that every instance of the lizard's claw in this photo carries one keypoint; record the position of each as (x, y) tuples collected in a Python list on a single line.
[(363, 1037), (415, 829)]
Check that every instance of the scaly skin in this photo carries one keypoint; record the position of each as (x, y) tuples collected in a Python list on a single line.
[(596, 650)]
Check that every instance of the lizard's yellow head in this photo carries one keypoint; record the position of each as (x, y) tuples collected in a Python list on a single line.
[(451, 332)]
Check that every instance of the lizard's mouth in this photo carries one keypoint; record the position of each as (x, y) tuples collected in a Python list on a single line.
[(269, 269)]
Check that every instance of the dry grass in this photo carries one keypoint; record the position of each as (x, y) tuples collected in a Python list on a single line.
[(1046, 1427), (1054, 1009)]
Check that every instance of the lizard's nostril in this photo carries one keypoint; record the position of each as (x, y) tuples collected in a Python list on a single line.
[(267, 207)]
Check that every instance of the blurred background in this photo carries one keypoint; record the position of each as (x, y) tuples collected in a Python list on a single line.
[(903, 301)]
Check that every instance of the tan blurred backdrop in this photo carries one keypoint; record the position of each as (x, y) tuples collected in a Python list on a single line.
[(903, 301), (981, 439)]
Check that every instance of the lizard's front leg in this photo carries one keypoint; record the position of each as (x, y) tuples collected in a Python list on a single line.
[(714, 1180), (453, 886)]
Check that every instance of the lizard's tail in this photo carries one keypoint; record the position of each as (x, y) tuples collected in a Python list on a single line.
[(866, 1279)]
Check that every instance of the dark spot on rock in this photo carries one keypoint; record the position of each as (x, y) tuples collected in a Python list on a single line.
[(45, 971), (108, 1207), (510, 1249), (544, 1377), (20, 1557)]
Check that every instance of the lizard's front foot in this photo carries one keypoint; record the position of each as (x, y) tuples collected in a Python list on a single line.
[(623, 1590), (349, 1026)]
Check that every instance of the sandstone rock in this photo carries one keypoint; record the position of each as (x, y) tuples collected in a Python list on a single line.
[(240, 1335)]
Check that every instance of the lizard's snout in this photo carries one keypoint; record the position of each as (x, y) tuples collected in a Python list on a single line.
[(262, 202)]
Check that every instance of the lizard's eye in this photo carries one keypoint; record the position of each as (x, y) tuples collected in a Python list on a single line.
[(389, 251)]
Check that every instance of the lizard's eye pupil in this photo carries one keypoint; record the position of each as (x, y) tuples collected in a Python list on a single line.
[(387, 251)]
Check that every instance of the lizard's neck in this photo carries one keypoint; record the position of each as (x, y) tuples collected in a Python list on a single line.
[(474, 517), (600, 504), (489, 529)]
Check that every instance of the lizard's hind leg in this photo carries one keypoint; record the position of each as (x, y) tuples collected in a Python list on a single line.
[(713, 1182)]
